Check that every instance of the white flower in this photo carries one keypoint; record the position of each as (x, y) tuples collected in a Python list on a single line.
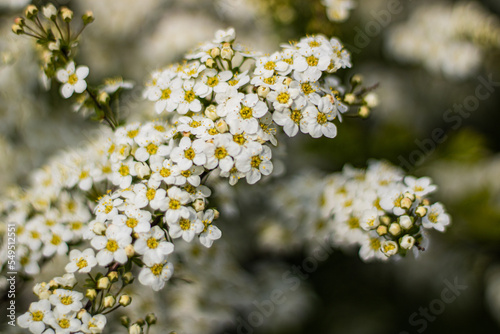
[(256, 161), (66, 301), (111, 247), (266, 66), (370, 248), (64, 323), (391, 202), (134, 220), (108, 207), (156, 273), (162, 171), (389, 248), (211, 80), (73, 81), (292, 119), (176, 200), (283, 95), (190, 175), (421, 186), (162, 90), (153, 244), (436, 217), (369, 220), (221, 152), (187, 226), (34, 319), (222, 36), (189, 153), (55, 241), (244, 112), (210, 231), (407, 242), (82, 262), (338, 10), (93, 324), (67, 280), (318, 120)]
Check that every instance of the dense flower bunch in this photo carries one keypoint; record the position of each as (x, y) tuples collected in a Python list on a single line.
[(378, 209), (456, 36)]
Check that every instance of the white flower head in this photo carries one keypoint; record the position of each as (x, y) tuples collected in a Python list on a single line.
[(156, 273), (436, 217), (73, 80), (66, 301), (82, 262), (112, 245), (35, 318)]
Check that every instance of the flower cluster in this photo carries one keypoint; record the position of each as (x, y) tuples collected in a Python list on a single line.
[(378, 209), (446, 39)]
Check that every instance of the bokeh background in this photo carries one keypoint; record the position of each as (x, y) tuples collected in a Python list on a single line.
[(426, 56)]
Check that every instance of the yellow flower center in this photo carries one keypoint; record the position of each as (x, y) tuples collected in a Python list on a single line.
[(165, 172), (256, 160), (112, 245), (296, 116), (108, 208), (321, 118), (283, 97), (152, 148), (150, 194), (66, 300), (213, 81), (189, 96), (195, 124), (73, 79), (152, 243), (240, 139), (314, 44), (433, 217), (353, 222), (186, 173), (82, 263), (307, 88), (157, 269), (185, 224), (37, 316), (124, 170), (131, 222), (270, 80), (189, 154), (174, 204), (84, 174), (375, 244), (64, 323), (132, 133), (220, 153), (246, 112), (165, 94), (312, 61), (56, 240), (270, 65)]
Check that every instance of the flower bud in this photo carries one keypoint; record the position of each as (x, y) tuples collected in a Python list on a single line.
[(109, 301), (103, 98), (407, 242), (140, 322), (405, 222), (130, 251), (91, 294), (30, 12), (135, 329), (226, 52), (210, 63), (66, 14), (142, 169), (262, 91), (356, 79), (350, 98), (389, 248), (81, 313), (385, 220), (113, 276), (88, 17), (103, 283), (371, 100), (42, 290), (395, 229), (426, 202), (221, 126), (409, 195), (421, 211), (216, 214), (124, 320), (99, 228), (215, 52), (364, 112), (211, 112), (199, 204), (17, 29), (406, 203), (50, 12), (151, 319), (125, 300), (53, 284), (128, 278), (382, 230)]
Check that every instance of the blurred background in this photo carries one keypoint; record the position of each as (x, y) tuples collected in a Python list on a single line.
[(437, 64)]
